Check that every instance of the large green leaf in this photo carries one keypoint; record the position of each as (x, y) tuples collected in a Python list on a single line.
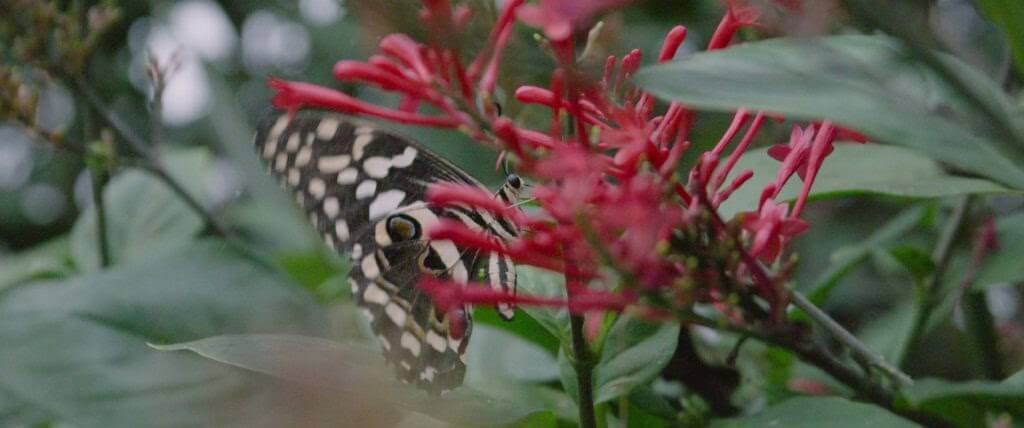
[(814, 412), (143, 215), (968, 404), (47, 260), (863, 82), (855, 169), (77, 349), (350, 372), (634, 352)]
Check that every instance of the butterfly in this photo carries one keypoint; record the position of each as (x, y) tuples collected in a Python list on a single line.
[(364, 190)]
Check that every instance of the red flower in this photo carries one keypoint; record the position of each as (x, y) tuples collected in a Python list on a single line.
[(560, 18), (612, 207)]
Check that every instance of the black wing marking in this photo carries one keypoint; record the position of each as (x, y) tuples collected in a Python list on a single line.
[(349, 176)]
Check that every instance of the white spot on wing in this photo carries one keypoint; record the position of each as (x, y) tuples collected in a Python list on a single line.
[(317, 187), (348, 176), (411, 343), (333, 164), (384, 343), (428, 374), (385, 203), (374, 294), (331, 207), (366, 189), (327, 129), (281, 162), (293, 142), (396, 314), (369, 265), (341, 229), (405, 365), (275, 134), (377, 167), (435, 341), (359, 146), (357, 252), (405, 159), (450, 257), (355, 285), (293, 177), (304, 156)]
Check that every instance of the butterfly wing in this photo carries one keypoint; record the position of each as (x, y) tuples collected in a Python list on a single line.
[(351, 177)]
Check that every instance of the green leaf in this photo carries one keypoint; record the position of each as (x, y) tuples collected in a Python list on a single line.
[(319, 270), (967, 404), (348, 371), (538, 282), (143, 215), (634, 352), (844, 260), (855, 170), (78, 348), (917, 262), (1004, 266), (862, 82), (1009, 16), (812, 412), (48, 260)]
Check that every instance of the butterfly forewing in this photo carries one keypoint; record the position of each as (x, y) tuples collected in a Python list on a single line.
[(364, 190)]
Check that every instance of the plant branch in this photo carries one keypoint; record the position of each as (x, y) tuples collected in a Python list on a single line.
[(941, 256), (582, 357), (848, 339), (150, 160)]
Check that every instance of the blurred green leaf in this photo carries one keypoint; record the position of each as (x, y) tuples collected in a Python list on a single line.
[(51, 259), (916, 261), (863, 82), (350, 371), (538, 282), (143, 215), (322, 272), (813, 412), (1004, 265), (845, 259), (853, 170), (967, 404), (1009, 16), (77, 348), (522, 325), (634, 353), (888, 333)]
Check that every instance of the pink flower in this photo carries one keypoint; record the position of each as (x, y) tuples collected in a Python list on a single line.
[(771, 228), (560, 18)]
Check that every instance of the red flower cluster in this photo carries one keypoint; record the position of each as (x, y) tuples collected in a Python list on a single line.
[(613, 205)]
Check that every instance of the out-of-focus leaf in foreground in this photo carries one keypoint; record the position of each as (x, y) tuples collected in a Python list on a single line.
[(347, 371), (813, 412), (76, 349), (866, 83), (967, 404)]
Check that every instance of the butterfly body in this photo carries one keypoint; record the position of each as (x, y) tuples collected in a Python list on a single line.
[(364, 190)]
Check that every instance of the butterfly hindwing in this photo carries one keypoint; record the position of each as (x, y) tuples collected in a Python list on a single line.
[(364, 190)]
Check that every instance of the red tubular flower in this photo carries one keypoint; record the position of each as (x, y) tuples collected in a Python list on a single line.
[(295, 95), (560, 18)]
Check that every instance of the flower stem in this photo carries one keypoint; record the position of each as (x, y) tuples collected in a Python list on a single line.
[(941, 256), (584, 373), (582, 358)]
